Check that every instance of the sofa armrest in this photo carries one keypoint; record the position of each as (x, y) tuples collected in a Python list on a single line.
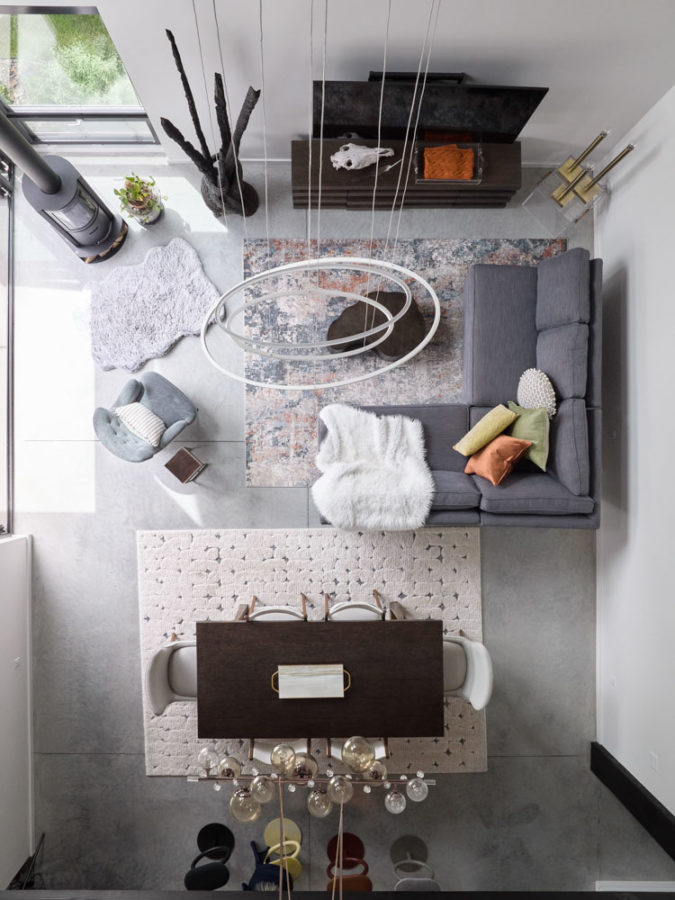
[(171, 432)]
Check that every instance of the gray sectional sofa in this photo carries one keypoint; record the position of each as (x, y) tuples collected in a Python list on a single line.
[(518, 317)]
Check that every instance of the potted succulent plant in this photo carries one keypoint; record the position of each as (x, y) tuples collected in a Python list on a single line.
[(140, 199)]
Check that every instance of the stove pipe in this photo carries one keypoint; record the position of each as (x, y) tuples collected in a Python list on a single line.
[(61, 196)]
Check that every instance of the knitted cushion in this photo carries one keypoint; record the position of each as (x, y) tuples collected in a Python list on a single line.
[(535, 390), (142, 422), (450, 162)]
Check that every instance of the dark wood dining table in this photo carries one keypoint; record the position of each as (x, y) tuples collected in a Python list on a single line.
[(396, 671)]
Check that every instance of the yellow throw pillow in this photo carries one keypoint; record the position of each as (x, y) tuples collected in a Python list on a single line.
[(487, 428)]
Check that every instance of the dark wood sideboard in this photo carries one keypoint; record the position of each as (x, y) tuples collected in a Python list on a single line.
[(345, 189)]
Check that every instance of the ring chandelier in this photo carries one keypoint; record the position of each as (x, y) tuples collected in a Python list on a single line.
[(314, 274)]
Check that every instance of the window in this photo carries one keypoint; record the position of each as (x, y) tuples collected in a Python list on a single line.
[(6, 181), (63, 81)]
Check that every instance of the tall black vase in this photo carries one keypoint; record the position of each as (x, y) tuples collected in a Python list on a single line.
[(230, 198)]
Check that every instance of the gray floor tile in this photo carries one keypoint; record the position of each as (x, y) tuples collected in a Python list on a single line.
[(627, 852), (110, 827), (530, 823), (502, 830), (539, 624)]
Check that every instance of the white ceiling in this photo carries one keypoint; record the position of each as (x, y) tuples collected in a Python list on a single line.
[(606, 62)]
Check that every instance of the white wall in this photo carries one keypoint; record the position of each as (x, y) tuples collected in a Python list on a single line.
[(636, 604), (606, 62), (16, 795)]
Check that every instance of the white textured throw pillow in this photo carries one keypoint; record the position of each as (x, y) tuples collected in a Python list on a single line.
[(535, 391), (142, 422)]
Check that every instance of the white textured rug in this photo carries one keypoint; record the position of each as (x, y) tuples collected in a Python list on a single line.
[(139, 312), (190, 576)]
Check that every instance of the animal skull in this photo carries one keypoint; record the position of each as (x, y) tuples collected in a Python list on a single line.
[(354, 156)]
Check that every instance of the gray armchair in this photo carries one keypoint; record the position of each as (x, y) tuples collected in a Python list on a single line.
[(161, 397)]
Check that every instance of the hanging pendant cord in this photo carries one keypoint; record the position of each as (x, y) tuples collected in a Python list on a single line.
[(323, 105), (209, 107), (311, 128), (368, 311), (229, 119), (379, 128), (417, 119), (264, 111), (406, 140)]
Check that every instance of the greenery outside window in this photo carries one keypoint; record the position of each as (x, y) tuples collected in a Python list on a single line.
[(62, 80)]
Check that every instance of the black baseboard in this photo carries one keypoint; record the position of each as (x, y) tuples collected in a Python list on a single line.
[(649, 812)]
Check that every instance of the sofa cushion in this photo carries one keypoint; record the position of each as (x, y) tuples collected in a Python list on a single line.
[(532, 425), (534, 493), (568, 457), (500, 338), (562, 353), (454, 490), (594, 389), (496, 461), (563, 289), (487, 428)]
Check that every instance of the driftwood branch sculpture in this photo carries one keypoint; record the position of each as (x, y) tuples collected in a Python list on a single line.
[(222, 186), (187, 90)]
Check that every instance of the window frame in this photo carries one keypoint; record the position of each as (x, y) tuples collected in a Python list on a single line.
[(22, 115), (7, 195)]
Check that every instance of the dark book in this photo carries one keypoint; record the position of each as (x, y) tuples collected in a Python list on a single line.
[(185, 465)]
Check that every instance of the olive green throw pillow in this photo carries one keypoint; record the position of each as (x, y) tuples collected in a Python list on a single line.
[(532, 425), (485, 430)]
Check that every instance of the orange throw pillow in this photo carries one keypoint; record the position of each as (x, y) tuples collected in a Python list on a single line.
[(496, 460)]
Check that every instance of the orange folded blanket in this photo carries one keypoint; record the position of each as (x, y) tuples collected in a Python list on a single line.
[(449, 161)]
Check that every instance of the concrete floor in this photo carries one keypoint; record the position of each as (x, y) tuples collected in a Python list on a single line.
[(536, 820)]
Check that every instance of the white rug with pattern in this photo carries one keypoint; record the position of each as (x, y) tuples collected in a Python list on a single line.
[(190, 576)]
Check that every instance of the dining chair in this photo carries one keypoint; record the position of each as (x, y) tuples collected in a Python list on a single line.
[(262, 750), (171, 674), (380, 746), (467, 670), (276, 613), (353, 610)]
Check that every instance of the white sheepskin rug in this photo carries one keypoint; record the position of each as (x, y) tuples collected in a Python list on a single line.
[(375, 474), (139, 312)]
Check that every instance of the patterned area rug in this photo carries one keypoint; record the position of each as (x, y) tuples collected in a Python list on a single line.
[(281, 426), (190, 576)]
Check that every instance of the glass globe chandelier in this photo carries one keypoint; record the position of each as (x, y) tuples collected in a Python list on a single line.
[(293, 771)]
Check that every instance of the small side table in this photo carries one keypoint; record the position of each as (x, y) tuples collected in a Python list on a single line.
[(185, 465), (557, 220)]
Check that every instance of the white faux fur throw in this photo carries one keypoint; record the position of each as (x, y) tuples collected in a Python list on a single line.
[(375, 474)]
